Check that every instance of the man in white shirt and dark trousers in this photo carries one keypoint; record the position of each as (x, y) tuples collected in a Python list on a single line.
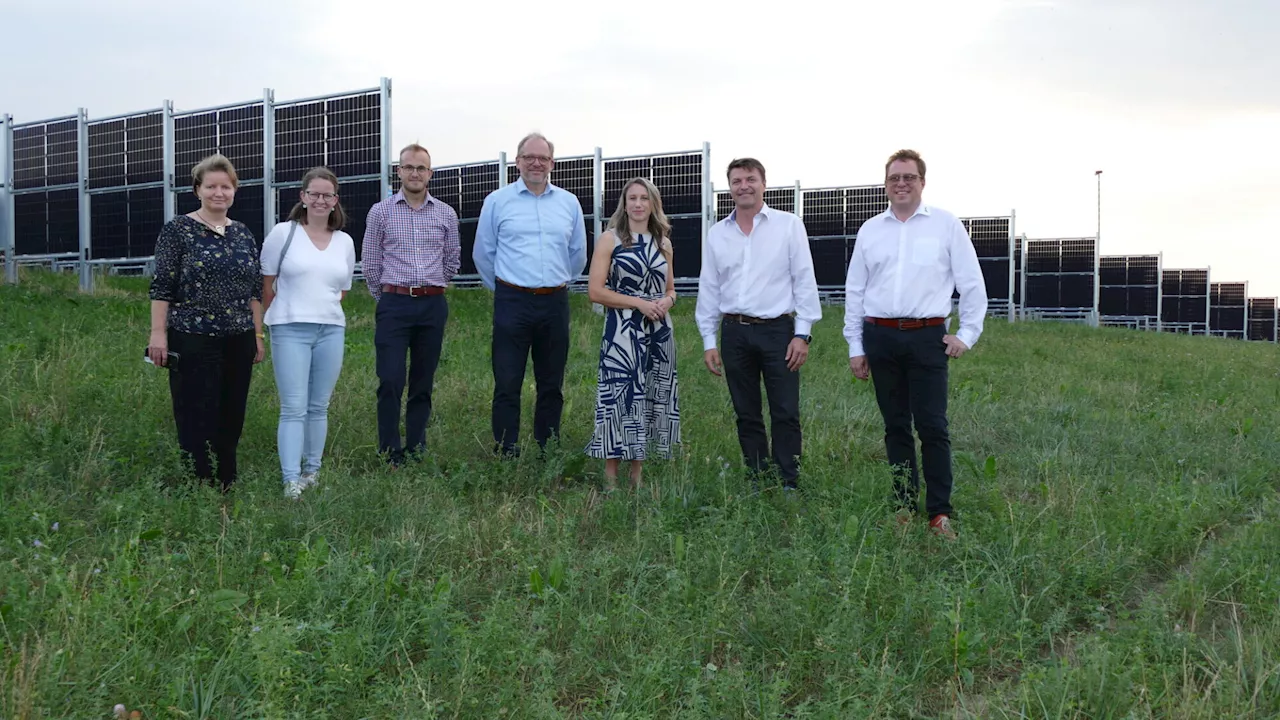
[(906, 264), (757, 285)]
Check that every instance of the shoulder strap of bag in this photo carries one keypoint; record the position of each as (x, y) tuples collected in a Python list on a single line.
[(293, 226)]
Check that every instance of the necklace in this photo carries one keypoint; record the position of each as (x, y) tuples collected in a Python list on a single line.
[(219, 230)]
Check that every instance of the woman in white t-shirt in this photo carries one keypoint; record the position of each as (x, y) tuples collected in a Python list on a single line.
[(305, 279)]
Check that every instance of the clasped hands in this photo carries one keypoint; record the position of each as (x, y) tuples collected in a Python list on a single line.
[(655, 310)]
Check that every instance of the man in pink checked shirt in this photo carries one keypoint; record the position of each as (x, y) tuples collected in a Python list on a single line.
[(411, 251)]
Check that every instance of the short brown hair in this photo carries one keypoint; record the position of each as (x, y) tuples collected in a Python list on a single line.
[(905, 155), (746, 164), (415, 147), (216, 162), (338, 217)]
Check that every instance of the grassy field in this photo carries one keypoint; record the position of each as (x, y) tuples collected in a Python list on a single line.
[(1116, 505)]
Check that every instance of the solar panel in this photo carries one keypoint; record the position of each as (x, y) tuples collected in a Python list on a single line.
[(247, 208), (446, 186), (577, 175), (824, 212), (862, 204), (1262, 319), (1129, 285), (126, 151), (1185, 299), (686, 246), (724, 204), (62, 152), (782, 198), (109, 223), (107, 155), (354, 125), (1060, 273), (467, 239), (235, 132), (31, 224), (995, 274), (679, 179), (299, 140), (829, 262), (357, 199), (476, 182), (990, 237), (618, 173), (46, 155), (146, 218), (1228, 309)]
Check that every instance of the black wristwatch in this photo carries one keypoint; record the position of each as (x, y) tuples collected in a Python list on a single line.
[(808, 339)]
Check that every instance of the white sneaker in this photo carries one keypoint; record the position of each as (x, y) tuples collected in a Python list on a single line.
[(308, 480), (293, 489)]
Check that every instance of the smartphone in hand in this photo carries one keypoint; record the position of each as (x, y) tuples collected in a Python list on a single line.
[(171, 358)]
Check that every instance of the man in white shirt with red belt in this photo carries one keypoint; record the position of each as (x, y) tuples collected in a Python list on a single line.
[(757, 286), (906, 265)]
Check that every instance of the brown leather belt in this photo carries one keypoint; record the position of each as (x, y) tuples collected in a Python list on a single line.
[(532, 291), (414, 291), (748, 320), (907, 323)]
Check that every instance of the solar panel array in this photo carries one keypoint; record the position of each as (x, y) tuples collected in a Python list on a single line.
[(1228, 309), (1060, 274), (678, 177), (464, 188), (46, 200), (1185, 300), (991, 239), (1129, 286), (1262, 319), (126, 177)]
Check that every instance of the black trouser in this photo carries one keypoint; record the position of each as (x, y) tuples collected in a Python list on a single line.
[(210, 389), (413, 327), (750, 351), (909, 371), (523, 322)]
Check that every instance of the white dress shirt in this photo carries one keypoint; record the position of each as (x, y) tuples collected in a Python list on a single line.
[(910, 270), (765, 274)]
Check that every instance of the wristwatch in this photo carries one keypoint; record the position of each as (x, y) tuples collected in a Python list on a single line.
[(808, 339)]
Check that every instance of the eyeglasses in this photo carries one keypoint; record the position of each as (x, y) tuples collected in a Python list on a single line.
[(327, 197), (536, 158), (908, 178), (412, 169)]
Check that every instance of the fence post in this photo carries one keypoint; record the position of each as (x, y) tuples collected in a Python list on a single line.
[(384, 112), (708, 195), (82, 189), (1013, 226), (269, 218), (170, 143), (8, 233)]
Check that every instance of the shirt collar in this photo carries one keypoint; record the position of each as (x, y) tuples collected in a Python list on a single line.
[(521, 187), (399, 198), (923, 209)]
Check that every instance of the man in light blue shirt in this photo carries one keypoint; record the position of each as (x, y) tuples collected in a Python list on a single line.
[(531, 242)]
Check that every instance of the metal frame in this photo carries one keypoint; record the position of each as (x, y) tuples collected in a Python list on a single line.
[(1190, 327), (57, 261)]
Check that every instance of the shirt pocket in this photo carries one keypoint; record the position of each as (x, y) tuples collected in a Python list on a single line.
[(926, 251)]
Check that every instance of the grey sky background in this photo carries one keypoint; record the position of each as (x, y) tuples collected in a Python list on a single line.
[(1013, 103)]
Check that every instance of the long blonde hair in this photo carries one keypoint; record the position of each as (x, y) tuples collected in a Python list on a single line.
[(659, 225)]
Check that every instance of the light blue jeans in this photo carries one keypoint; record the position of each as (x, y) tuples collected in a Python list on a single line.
[(307, 358)]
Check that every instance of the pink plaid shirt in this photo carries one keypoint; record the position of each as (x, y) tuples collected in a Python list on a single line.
[(404, 246)]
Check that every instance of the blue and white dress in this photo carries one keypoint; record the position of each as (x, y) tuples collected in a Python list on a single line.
[(637, 412)]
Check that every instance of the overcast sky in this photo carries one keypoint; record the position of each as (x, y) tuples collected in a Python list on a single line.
[(1013, 103)]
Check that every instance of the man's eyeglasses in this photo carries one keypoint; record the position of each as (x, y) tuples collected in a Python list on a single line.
[(327, 197), (908, 178), (412, 169), (536, 158)]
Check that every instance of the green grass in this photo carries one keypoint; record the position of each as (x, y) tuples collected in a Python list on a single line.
[(1115, 491)]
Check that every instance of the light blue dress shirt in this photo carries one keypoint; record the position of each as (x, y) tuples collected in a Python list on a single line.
[(530, 240)]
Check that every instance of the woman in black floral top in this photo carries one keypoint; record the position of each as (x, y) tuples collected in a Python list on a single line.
[(206, 321)]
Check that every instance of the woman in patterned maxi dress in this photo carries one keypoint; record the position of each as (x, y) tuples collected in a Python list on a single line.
[(637, 412)]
